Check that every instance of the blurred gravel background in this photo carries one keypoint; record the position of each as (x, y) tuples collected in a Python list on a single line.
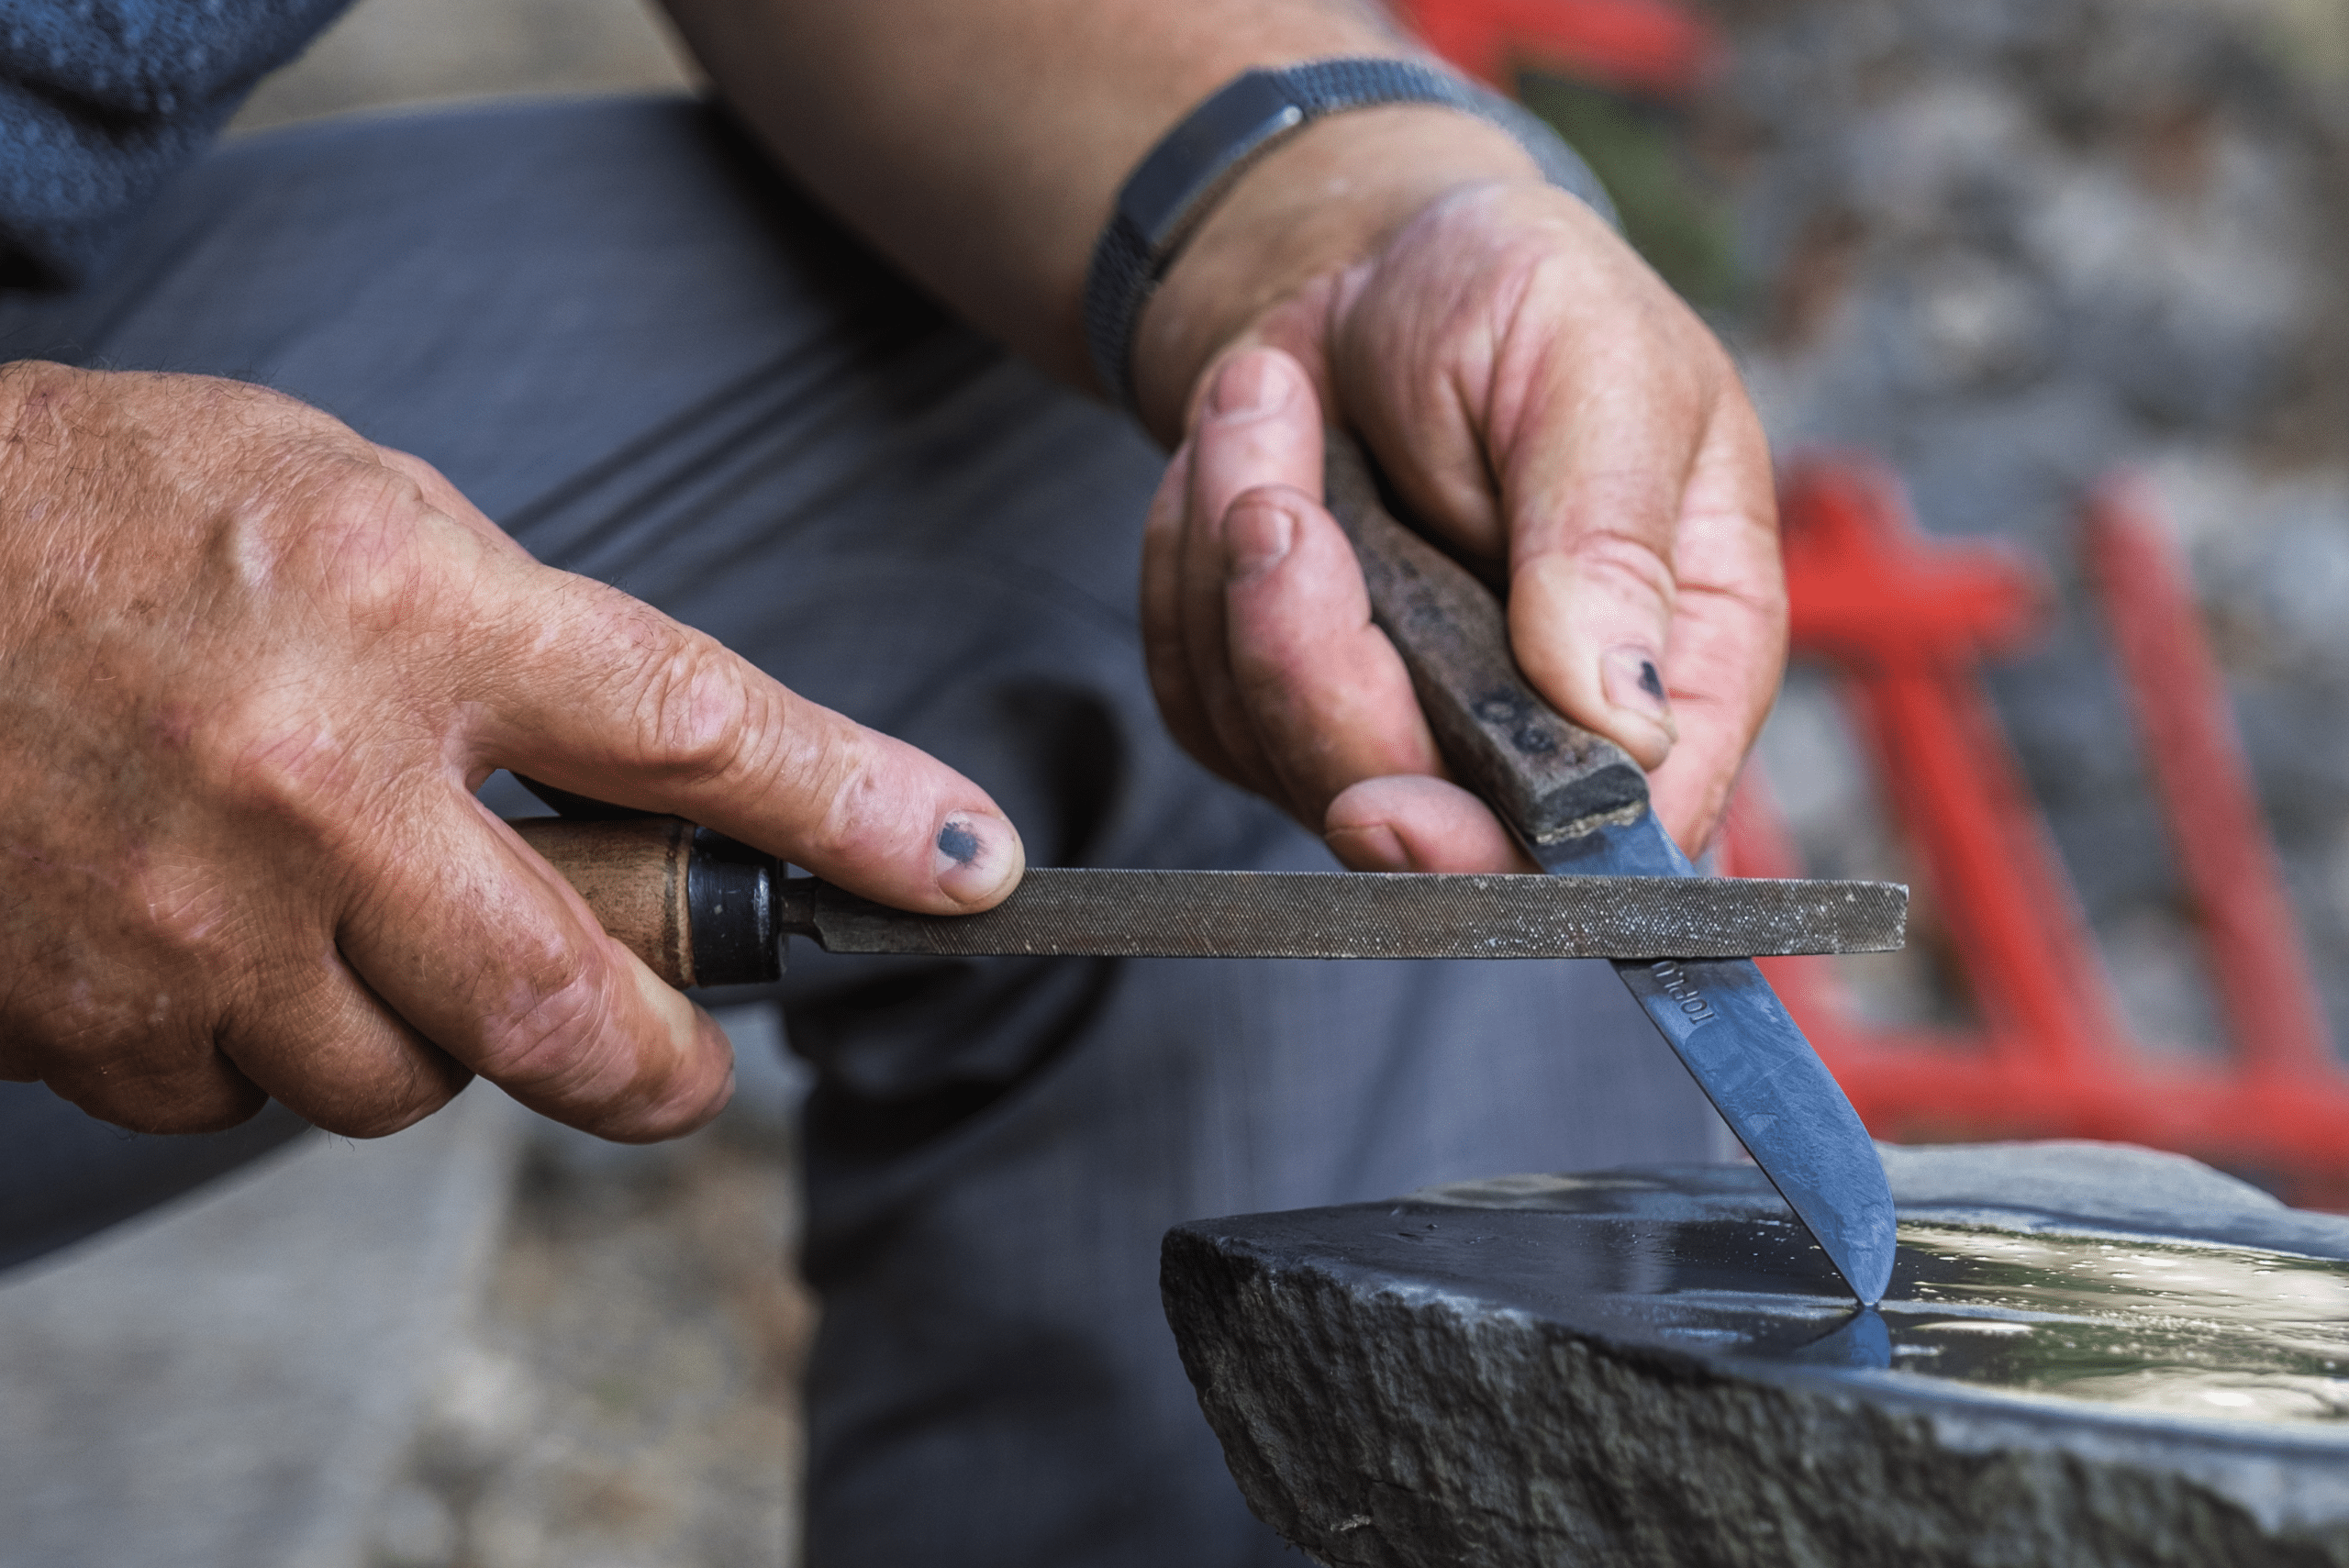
[(2008, 245)]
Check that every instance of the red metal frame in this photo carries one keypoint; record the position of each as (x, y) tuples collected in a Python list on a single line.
[(1651, 48), (1906, 621), (2225, 858)]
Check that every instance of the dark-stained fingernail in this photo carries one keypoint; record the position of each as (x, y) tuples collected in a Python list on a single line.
[(1249, 387), (1631, 678), (975, 856), (1256, 537)]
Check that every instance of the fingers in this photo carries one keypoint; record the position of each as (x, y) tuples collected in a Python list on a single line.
[(1259, 424), (139, 1079), (243, 862), (1565, 441), (1662, 624), (1321, 687), (1262, 645), (182, 1008), (1531, 387), (472, 940), (319, 1043), (1537, 396), (1419, 824), (1496, 325), (625, 704), (323, 1046), (454, 949), (1727, 638), (1166, 653)]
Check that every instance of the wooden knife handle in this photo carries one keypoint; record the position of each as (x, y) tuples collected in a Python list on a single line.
[(1547, 776), (698, 907)]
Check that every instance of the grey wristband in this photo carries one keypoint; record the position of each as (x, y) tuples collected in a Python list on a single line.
[(1172, 189)]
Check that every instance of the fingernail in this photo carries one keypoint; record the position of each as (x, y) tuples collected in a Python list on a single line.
[(1247, 388), (1374, 848), (1255, 538), (1631, 680), (975, 856)]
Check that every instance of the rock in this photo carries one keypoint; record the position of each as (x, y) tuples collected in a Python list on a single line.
[(2091, 1355)]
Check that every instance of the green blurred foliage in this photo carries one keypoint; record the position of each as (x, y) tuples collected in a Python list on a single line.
[(1672, 214)]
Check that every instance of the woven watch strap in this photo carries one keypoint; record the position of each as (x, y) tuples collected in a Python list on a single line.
[(1172, 189)]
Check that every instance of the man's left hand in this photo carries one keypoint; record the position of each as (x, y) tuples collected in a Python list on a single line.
[(1541, 400)]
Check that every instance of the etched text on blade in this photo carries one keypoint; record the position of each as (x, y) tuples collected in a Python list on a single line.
[(1751, 1060), (1746, 1053)]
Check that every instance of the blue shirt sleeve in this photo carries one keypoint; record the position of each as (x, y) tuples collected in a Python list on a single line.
[(102, 100)]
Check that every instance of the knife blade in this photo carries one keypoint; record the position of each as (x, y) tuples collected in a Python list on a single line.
[(703, 910), (1580, 805)]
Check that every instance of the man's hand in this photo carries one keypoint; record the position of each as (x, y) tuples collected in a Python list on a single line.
[(1536, 392), (252, 667), (1542, 400)]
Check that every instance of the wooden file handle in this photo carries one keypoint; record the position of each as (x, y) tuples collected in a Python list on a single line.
[(698, 909), (1547, 776)]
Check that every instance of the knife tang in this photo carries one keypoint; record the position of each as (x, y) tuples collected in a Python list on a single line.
[(1547, 776)]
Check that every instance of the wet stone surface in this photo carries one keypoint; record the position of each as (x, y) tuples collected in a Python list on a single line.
[(2089, 1354)]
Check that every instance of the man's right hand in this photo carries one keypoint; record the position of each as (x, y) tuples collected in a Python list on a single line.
[(252, 668)]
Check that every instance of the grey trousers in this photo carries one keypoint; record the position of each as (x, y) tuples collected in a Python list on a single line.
[(657, 363)]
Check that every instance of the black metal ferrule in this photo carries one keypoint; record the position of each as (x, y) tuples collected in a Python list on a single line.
[(730, 898)]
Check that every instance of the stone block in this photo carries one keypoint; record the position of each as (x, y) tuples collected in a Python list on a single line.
[(2090, 1355)]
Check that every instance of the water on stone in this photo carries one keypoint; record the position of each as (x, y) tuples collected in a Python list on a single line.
[(2185, 1329), (2193, 1329)]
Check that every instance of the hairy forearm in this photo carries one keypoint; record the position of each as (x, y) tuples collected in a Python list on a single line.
[(979, 143)]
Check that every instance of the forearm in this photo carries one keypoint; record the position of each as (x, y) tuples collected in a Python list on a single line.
[(981, 144), (1530, 388)]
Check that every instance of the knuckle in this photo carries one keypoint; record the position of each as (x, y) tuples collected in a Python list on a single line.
[(386, 1108), (273, 752), (87, 1021), (337, 1058), (847, 775), (696, 717), (135, 1027), (1626, 564), (416, 468), (123, 1070), (357, 531), (553, 1040), (186, 918), (318, 519)]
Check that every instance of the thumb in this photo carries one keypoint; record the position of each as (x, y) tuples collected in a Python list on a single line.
[(630, 707), (1589, 621)]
